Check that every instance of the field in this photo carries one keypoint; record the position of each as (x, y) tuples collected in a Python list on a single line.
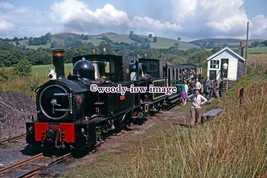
[(257, 62), (43, 70), (258, 50)]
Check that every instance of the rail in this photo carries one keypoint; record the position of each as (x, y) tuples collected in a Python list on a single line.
[(12, 138), (26, 172), (21, 163)]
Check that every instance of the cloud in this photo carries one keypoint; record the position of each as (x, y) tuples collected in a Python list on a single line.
[(172, 18), (22, 21), (202, 18), (259, 26), (5, 25), (146, 25), (6, 6), (78, 17)]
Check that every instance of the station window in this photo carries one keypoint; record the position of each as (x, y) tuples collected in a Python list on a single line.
[(214, 64)]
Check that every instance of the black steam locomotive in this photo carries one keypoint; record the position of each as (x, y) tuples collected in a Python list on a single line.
[(104, 93)]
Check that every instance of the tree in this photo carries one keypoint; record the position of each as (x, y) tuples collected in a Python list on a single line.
[(105, 48), (264, 42), (215, 50), (23, 68), (48, 37), (131, 34), (53, 45), (150, 35), (155, 39), (37, 41)]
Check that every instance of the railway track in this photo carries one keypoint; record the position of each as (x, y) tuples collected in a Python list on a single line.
[(12, 138), (31, 166)]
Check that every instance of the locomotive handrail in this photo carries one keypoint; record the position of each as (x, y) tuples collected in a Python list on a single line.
[(70, 102)]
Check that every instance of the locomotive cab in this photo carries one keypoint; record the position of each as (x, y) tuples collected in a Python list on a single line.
[(138, 71), (100, 71)]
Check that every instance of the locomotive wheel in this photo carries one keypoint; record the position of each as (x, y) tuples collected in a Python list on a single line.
[(140, 117)]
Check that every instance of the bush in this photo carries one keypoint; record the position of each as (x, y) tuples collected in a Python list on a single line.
[(4, 75), (23, 69)]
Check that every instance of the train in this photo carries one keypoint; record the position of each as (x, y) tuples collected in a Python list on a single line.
[(104, 93)]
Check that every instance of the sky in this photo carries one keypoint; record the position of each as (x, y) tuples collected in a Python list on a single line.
[(185, 19)]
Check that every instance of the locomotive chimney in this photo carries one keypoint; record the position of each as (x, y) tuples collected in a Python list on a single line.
[(58, 62), (242, 48)]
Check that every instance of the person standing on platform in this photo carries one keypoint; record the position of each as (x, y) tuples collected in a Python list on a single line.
[(183, 88), (196, 101), (198, 85)]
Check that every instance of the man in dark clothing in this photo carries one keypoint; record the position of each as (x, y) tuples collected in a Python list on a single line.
[(220, 87), (206, 88)]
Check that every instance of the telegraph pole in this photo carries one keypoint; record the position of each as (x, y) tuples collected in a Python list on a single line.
[(246, 55)]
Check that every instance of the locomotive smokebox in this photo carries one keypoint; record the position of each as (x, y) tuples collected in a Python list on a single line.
[(58, 62)]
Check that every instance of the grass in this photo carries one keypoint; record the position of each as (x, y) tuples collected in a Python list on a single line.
[(232, 145), (257, 59), (28, 84), (167, 43), (257, 50)]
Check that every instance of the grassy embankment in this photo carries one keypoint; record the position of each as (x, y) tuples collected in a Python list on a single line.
[(232, 145), (29, 84)]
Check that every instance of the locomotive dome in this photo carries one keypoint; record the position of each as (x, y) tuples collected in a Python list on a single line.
[(84, 69)]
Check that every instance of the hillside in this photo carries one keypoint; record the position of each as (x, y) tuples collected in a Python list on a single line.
[(222, 42), (37, 50), (66, 39)]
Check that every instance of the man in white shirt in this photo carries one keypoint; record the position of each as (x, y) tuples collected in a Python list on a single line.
[(196, 101)]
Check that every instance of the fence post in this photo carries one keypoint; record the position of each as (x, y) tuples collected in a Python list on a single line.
[(240, 94)]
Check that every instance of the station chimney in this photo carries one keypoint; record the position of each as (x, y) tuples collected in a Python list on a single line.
[(241, 48)]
